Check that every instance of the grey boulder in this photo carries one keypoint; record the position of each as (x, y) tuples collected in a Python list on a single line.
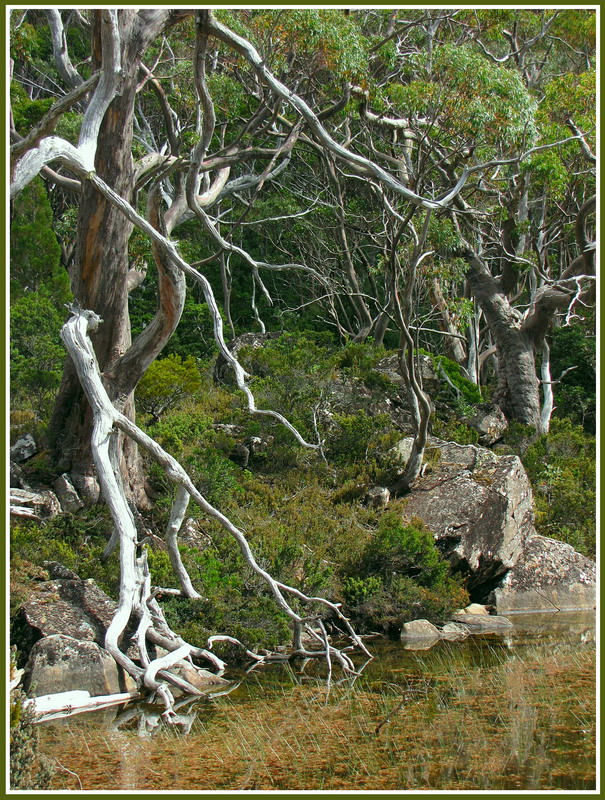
[(479, 508), (420, 630), (24, 448), (67, 494), (61, 663), (76, 608), (550, 576)]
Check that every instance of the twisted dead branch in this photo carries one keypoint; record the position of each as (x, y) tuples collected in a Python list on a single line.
[(136, 597)]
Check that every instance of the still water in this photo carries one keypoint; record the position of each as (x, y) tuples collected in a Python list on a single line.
[(514, 712)]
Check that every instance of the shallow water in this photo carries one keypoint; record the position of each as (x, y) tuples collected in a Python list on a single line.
[(507, 712)]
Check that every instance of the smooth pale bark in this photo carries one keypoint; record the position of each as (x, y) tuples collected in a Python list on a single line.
[(136, 597)]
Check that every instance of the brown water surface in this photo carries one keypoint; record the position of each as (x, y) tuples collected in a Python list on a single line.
[(489, 713)]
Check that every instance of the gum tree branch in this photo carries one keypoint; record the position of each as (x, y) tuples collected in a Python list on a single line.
[(135, 591)]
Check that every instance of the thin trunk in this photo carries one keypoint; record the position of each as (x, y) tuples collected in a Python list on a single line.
[(548, 403), (447, 324)]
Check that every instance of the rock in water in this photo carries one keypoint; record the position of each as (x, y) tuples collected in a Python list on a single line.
[(61, 663), (483, 623), (419, 629), (550, 575)]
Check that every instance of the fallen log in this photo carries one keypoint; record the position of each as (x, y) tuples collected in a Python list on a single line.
[(66, 704)]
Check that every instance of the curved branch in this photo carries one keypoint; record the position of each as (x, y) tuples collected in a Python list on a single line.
[(62, 60), (49, 121), (126, 372), (358, 163), (132, 573)]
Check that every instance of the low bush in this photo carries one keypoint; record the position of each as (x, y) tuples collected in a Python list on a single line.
[(166, 383), (562, 468), (356, 437), (29, 770), (398, 576)]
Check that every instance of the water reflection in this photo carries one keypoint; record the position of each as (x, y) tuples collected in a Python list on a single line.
[(487, 713)]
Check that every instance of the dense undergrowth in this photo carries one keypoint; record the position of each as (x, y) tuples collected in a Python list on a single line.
[(305, 516)]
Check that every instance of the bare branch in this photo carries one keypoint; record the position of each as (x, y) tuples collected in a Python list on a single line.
[(64, 66), (134, 582)]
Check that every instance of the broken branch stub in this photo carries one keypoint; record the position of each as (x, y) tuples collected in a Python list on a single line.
[(136, 598)]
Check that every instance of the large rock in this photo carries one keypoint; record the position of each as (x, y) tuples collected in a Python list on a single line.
[(24, 448), (483, 623), (479, 508), (454, 632), (489, 422), (61, 663), (67, 494), (69, 606), (551, 575), (420, 630)]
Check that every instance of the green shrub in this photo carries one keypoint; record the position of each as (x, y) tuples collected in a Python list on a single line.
[(470, 392), (179, 430), (36, 352), (358, 590), (35, 254), (574, 346), (562, 468), (167, 382), (253, 619), (28, 769), (360, 357), (452, 431), (404, 549), (401, 599), (355, 436), (75, 540), (399, 575), (292, 372)]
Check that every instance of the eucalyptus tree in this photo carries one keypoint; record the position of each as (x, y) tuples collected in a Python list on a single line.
[(491, 99)]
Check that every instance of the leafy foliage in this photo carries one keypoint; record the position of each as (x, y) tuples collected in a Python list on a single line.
[(37, 354), (35, 252), (29, 770), (166, 382), (562, 466), (573, 348), (398, 576)]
